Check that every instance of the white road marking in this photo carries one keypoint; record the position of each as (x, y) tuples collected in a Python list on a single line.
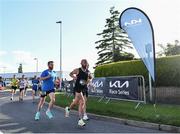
[(4, 98)]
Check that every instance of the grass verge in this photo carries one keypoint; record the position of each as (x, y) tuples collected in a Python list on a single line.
[(163, 114)]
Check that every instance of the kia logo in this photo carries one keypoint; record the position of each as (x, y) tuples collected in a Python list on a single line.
[(98, 84), (133, 22), (118, 84)]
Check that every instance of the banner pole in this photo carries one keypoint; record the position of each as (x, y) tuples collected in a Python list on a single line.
[(150, 88)]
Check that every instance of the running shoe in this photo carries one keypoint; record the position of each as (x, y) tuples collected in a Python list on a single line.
[(49, 114), (85, 118), (12, 98), (20, 99), (81, 123), (37, 116), (67, 112)]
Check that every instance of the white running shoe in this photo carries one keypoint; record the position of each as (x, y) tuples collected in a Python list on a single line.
[(81, 123), (67, 112), (37, 116), (85, 118), (49, 114)]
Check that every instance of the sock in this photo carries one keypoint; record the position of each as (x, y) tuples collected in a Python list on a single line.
[(80, 116), (39, 109)]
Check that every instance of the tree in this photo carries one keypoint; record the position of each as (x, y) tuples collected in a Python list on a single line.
[(114, 41), (20, 69), (170, 49)]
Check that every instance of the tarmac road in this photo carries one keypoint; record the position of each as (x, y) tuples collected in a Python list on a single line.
[(18, 117)]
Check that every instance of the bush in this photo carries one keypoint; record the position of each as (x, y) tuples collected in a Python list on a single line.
[(167, 70)]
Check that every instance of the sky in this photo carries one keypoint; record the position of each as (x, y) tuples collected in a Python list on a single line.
[(28, 29)]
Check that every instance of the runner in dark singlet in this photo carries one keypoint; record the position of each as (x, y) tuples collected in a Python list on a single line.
[(81, 76)]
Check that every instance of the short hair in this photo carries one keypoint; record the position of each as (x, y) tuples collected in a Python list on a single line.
[(0, 77), (84, 60), (49, 62)]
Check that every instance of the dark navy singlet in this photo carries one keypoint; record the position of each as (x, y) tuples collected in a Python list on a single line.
[(81, 82)]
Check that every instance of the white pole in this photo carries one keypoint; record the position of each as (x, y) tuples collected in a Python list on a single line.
[(37, 67), (150, 88), (60, 22), (60, 53), (36, 59)]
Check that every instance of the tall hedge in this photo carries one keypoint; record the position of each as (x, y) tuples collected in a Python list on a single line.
[(167, 70)]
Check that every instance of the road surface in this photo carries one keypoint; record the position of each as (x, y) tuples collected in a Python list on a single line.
[(18, 117)]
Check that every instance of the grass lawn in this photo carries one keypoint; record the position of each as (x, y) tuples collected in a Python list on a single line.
[(165, 114)]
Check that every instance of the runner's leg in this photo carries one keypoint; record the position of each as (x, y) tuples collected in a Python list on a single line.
[(52, 100), (51, 103), (85, 103), (81, 109), (20, 94), (75, 102), (41, 103), (33, 95), (81, 105)]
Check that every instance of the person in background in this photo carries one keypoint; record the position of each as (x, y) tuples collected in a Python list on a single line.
[(62, 85), (26, 86), (35, 87), (22, 86), (2, 84), (57, 83), (66, 83), (14, 86)]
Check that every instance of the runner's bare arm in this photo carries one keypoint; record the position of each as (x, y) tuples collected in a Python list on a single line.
[(44, 78), (74, 73), (89, 78)]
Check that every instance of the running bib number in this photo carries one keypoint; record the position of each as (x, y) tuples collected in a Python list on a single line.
[(82, 82)]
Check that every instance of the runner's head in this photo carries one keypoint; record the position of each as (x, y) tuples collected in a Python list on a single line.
[(84, 63), (0, 78), (51, 65), (22, 76), (35, 76), (14, 76)]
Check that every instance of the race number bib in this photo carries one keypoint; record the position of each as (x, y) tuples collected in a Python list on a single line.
[(82, 82)]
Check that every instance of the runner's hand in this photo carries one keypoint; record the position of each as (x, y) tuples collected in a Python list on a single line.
[(74, 78), (49, 76)]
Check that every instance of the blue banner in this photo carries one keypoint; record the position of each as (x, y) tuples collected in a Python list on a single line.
[(139, 29), (115, 87), (98, 86), (122, 88)]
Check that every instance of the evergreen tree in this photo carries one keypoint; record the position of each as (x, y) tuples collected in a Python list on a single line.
[(114, 42), (20, 69)]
